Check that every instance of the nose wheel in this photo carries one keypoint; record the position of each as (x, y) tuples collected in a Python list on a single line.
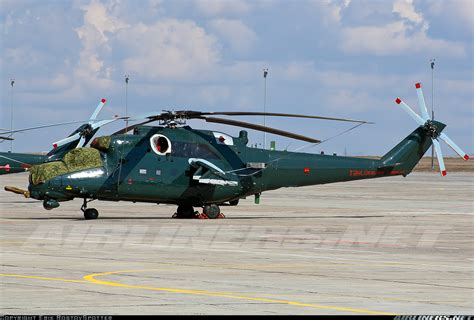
[(89, 213)]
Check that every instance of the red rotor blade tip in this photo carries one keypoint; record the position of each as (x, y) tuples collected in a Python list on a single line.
[(466, 157), (104, 100), (55, 145), (418, 85), (443, 173), (398, 100)]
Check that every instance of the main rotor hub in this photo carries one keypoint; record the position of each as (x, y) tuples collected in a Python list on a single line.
[(172, 119), (87, 130)]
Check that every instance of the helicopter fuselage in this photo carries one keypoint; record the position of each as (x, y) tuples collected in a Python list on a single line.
[(182, 165)]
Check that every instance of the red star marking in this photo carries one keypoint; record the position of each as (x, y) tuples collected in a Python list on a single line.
[(221, 139)]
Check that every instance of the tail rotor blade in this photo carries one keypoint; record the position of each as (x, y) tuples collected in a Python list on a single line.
[(454, 146), (439, 155), (421, 102), (410, 111)]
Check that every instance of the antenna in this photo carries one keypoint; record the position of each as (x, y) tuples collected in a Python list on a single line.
[(265, 73), (432, 63), (12, 82), (127, 78)]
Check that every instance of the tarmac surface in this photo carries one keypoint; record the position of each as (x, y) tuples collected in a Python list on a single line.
[(393, 245)]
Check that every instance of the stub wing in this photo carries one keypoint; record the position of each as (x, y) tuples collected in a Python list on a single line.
[(208, 173)]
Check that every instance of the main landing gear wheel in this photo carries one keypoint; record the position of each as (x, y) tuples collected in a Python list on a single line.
[(91, 213), (184, 212), (212, 211)]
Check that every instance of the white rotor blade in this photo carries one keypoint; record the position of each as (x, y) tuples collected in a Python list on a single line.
[(421, 102), (97, 110), (78, 135), (410, 111), (81, 142), (454, 146), (439, 155), (65, 140)]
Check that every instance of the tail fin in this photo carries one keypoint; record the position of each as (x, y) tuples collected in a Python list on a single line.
[(406, 155)]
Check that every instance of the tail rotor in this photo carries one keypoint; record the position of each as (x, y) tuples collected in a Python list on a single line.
[(425, 121)]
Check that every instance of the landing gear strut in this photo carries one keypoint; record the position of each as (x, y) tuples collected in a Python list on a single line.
[(91, 213)]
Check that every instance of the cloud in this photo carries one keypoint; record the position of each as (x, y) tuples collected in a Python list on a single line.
[(396, 38), (407, 11), (222, 7), (239, 36), (450, 19), (388, 29), (94, 35), (169, 49)]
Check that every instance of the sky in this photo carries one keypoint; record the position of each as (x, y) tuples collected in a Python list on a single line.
[(338, 58)]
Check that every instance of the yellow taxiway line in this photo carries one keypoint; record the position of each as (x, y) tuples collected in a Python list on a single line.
[(92, 279)]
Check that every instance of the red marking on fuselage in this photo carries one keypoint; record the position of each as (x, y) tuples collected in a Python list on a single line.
[(306, 170), (373, 173), (6, 167)]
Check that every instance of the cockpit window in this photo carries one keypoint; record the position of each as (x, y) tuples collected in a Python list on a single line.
[(160, 144)]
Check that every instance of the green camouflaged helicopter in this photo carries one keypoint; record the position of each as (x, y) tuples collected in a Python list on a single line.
[(175, 164)]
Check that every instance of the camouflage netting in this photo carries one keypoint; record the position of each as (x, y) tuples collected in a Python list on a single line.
[(75, 160), (43, 172), (101, 143)]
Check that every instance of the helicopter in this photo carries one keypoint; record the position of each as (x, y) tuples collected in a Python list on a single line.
[(173, 163), (14, 162)]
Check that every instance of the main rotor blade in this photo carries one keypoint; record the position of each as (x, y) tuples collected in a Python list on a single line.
[(6, 138), (192, 114), (127, 129), (260, 128), (421, 102), (79, 136), (410, 111), (44, 126), (454, 146), (439, 155), (97, 110)]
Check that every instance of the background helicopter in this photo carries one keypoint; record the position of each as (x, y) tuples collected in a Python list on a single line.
[(175, 164), (13, 162)]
